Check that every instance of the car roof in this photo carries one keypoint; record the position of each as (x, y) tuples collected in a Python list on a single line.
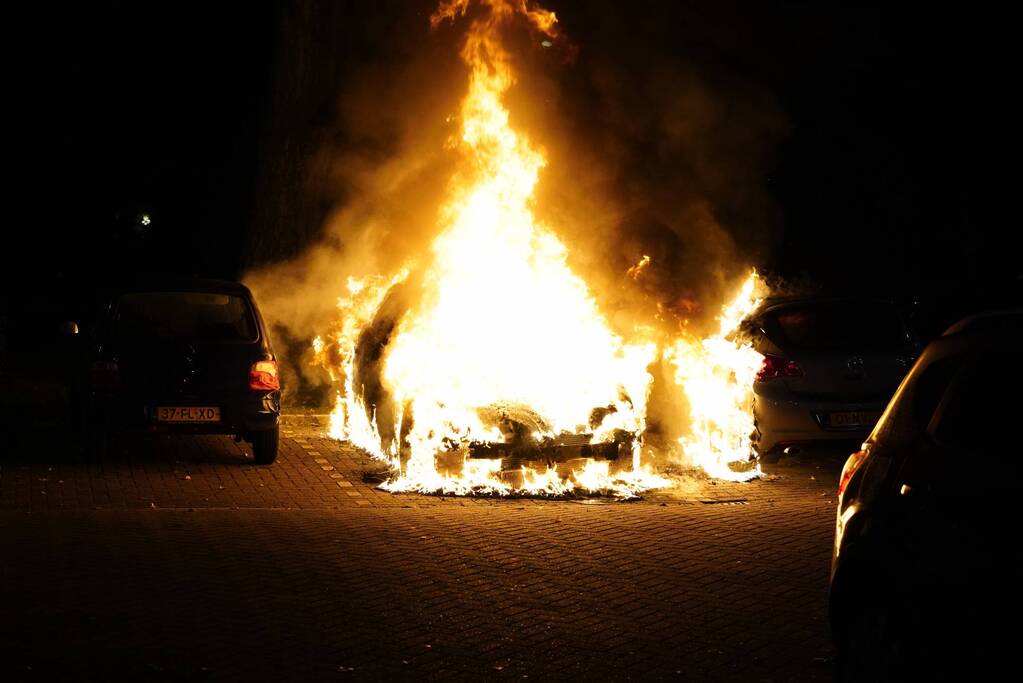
[(990, 321)]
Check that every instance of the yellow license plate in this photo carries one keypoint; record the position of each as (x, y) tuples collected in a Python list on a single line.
[(855, 418), (188, 414)]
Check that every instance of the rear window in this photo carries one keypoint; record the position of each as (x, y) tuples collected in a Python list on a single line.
[(184, 315), (840, 326), (931, 385), (911, 409)]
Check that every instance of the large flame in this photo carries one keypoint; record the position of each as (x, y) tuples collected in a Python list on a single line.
[(502, 344), (717, 376)]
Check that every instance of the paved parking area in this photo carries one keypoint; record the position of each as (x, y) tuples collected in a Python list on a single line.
[(178, 559)]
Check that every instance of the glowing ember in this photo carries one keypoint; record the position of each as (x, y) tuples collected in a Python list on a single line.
[(490, 351), (637, 270)]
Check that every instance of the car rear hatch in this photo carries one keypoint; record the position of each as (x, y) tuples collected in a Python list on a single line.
[(190, 347), (849, 351), (189, 370)]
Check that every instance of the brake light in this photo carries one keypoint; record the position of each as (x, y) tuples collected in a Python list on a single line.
[(849, 469), (776, 366), (105, 375), (263, 375)]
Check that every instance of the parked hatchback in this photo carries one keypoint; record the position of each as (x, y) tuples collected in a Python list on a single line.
[(181, 357), (926, 562), (830, 366)]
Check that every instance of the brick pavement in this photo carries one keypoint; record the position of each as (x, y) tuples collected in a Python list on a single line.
[(176, 559)]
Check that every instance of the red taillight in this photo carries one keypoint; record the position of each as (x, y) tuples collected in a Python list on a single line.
[(776, 366), (105, 375), (263, 375), (851, 465)]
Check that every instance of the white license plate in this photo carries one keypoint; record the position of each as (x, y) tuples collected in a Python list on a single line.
[(854, 418), (188, 414)]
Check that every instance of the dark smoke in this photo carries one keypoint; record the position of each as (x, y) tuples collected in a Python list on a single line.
[(657, 148)]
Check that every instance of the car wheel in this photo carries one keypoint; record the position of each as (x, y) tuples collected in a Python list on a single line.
[(771, 456), (265, 445)]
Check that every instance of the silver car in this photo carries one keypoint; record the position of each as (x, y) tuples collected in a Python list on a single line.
[(830, 366)]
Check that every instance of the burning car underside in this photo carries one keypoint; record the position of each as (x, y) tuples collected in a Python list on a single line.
[(527, 438), (486, 364)]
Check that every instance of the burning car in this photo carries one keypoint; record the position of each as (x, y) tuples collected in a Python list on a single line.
[(181, 357), (485, 363), (829, 367)]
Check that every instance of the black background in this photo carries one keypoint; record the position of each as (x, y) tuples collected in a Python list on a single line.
[(895, 175)]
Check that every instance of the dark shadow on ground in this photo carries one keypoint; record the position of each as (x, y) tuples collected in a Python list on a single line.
[(44, 434), (827, 459)]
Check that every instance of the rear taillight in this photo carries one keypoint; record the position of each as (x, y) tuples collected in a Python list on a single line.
[(105, 375), (851, 465), (776, 366), (263, 375)]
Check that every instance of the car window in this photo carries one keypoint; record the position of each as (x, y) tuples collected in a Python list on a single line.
[(840, 326), (184, 315), (930, 386), (976, 411)]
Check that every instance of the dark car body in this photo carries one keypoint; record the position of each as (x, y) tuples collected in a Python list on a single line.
[(181, 357), (830, 366), (925, 563)]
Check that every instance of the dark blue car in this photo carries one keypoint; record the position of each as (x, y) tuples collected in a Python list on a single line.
[(180, 357)]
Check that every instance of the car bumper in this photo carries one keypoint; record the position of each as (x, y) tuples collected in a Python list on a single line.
[(239, 414), (785, 421)]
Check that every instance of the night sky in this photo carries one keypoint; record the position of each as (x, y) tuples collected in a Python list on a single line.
[(154, 107), (889, 175)]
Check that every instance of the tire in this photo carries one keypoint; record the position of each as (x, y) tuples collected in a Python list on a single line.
[(265, 445), (770, 457)]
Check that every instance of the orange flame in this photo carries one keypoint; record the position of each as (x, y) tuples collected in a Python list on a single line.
[(501, 326), (635, 271), (716, 375)]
